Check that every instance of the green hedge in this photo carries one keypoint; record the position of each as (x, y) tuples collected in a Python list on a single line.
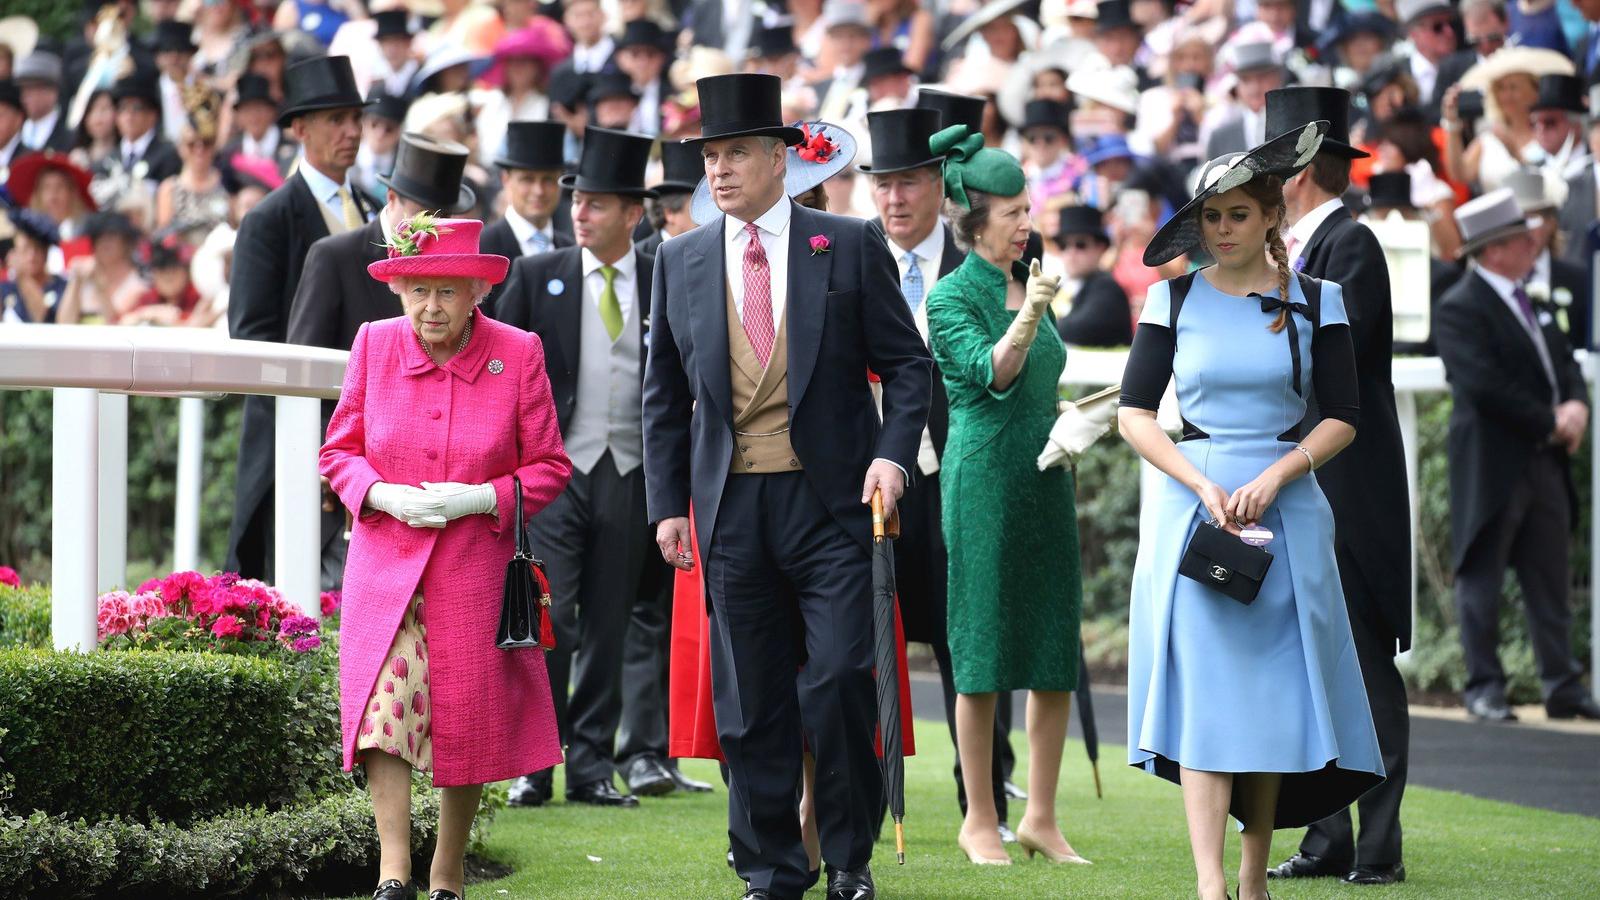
[(170, 736), (331, 843), (25, 617)]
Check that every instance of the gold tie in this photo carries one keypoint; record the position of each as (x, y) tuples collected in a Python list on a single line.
[(352, 213), (610, 308)]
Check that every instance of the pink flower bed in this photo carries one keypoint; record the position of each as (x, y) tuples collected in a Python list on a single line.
[(219, 612)]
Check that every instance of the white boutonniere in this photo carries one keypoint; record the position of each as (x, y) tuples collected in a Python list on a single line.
[(1538, 293), (1562, 297), (141, 170)]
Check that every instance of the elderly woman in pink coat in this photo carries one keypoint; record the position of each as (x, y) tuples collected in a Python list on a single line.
[(441, 408)]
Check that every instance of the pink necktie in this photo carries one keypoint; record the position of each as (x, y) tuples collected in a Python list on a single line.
[(758, 298)]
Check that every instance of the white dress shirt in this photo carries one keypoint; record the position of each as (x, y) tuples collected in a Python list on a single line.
[(625, 282), (1505, 288), (9, 153), (1255, 126), (525, 230), (928, 254), (174, 115), (647, 115), (35, 132), (593, 57), (325, 189), (772, 228), (1426, 75), (136, 148), (266, 148), (1300, 234)]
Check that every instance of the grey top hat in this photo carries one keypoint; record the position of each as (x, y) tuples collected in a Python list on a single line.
[(1594, 102), (1532, 190), (1256, 56), (1408, 11), (1495, 215), (38, 67), (850, 13)]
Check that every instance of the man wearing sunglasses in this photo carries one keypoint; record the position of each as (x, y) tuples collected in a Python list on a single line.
[(1437, 60)]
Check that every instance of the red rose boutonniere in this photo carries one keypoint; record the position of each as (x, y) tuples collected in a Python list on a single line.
[(820, 244)]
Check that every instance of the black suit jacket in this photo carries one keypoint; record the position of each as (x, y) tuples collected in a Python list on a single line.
[(336, 295), (650, 244), (844, 316), (500, 240), (1100, 315), (1574, 279), (1451, 68), (557, 318), (939, 402), (160, 158), (1502, 415), (61, 137), (1366, 483), (283, 156)]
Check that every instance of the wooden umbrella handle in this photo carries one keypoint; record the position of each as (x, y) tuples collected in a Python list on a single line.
[(883, 527)]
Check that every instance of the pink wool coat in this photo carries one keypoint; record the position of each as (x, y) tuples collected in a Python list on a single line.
[(486, 415)]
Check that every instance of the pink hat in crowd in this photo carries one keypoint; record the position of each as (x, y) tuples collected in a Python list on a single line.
[(543, 39), (426, 247)]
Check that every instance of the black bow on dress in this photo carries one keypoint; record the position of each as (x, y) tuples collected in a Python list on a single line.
[(1272, 305)]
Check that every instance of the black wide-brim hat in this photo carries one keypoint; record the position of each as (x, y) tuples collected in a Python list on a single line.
[(900, 140), (1283, 156), (429, 172), (613, 162), (1292, 108), (682, 167), (743, 104), (954, 109), (325, 82), (534, 145)]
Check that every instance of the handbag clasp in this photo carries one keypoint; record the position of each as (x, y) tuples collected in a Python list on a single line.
[(1221, 574)]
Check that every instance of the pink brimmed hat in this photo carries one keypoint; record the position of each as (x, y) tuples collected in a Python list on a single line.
[(426, 247)]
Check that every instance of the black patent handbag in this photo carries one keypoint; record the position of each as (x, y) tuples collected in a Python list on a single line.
[(525, 602), (1222, 562)]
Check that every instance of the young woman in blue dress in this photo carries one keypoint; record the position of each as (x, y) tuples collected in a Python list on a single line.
[(1257, 710)]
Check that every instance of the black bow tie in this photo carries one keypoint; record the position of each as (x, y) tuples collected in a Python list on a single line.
[(1272, 305)]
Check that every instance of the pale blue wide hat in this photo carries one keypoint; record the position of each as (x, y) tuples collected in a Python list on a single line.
[(825, 151)]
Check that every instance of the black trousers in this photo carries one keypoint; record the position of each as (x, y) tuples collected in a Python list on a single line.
[(594, 541), (922, 570), (776, 553), (1532, 533), (1379, 843), (643, 729)]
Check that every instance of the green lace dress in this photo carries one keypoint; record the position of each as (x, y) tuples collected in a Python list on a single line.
[(1015, 588)]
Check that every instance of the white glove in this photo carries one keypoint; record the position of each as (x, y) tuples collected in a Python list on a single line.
[(413, 506), (1079, 425), (463, 499), (1041, 290)]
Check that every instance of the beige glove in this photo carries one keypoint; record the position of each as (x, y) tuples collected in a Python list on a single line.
[(413, 506), (463, 499), (1080, 424), (1041, 290)]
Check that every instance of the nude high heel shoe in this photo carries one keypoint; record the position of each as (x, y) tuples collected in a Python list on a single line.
[(1032, 846), (978, 859)]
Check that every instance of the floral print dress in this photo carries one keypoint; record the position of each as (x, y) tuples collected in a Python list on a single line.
[(398, 718)]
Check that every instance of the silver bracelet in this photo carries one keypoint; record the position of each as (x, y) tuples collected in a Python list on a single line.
[(1310, 460)]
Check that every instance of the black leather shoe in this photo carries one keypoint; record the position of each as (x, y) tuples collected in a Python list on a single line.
[(442, 894), (685, 783), (756, 894), (531, 790), (1486, 710), (851, 884), (1304, 865), (647, 777), (394, 890), (1377, 874), (1584, 708), (601, 793)]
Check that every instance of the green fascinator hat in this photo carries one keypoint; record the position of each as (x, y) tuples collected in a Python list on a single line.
[(969, 164)]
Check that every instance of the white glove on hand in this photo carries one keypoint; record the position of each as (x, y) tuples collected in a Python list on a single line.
[(413, 506), (1079, 426), (1041, 290), (463, 499)]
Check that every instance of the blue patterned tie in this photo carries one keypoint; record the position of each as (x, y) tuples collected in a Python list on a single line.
[(911, 282), (539, 242)]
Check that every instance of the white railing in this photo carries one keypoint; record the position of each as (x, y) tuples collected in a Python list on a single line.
[(91, 369)]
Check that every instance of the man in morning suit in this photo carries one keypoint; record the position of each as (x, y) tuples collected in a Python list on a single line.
[(323, 110), (908, 190), (669, 215), (141, 150), (38, 76), (590, 305), (530, 173), (1365, 485), (1520, 412), (756, 405)]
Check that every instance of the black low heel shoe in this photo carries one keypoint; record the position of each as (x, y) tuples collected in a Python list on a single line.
[(394, 890), (442, 894)]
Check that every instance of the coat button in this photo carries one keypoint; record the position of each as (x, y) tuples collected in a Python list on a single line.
[(749, 465), (438, 376), (745, 449), (433, 414), (433, 454), (794, 463)]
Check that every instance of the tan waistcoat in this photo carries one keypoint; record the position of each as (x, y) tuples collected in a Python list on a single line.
[(760, 402)]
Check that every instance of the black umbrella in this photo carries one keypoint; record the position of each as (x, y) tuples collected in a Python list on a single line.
[(887, 660), (1091, 732)]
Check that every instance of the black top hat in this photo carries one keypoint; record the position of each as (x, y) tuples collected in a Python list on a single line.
[(11, 95), (1292, 108), (606, 85), (883, 61), (142, 84), (567, 87), (1081, 220), (1385, 70), (954, 109), (533, 145), (1561, 92), (743, 104), (1390, 190), (1046, 114), (1113, 14), (900, 140), (384, 105), (643, 33), (429, 172), (326, 82), (392, 23), (612, 163), (254, 88), (173, 36), (773, 42), (681, 168)]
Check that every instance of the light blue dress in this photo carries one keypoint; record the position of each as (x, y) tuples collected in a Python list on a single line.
[(1215, 685)]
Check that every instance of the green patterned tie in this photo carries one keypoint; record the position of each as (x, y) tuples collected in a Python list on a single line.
[(610, 309)]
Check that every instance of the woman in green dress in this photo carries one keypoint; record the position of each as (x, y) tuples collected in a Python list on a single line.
[(1011, 530)]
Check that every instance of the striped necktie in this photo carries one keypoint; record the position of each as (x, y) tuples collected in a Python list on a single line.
[(911, 281)]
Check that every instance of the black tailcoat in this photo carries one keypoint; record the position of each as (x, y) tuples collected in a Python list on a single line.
[(500, 240)]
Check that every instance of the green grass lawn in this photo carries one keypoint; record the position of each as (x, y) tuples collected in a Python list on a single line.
[(1456, 846)]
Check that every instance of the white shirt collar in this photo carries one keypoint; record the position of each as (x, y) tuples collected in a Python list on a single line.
[(9, 151), (930, 248), (1541, 269), (264, 148), (775, 221), (524, 230), (1501, 284), (325, 189), (139, 146), (1311, 221), (626, 266), (45, 126)]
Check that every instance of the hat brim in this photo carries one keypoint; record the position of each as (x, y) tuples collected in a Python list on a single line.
[(466, 198), (1284, 156), (1513, 229), (506, 162), (1341, 149), (800, 176), (789, 136), (294, 112), (675, 187), (578, 182), (488, 266), (974, 23), (903, 167), (26, 171), (1534, 62)]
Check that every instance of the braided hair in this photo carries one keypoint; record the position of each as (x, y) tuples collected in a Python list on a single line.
[(1267, 192)]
